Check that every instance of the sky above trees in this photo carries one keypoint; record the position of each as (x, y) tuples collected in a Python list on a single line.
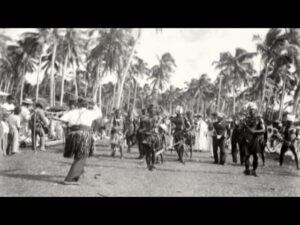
[(193, 49)]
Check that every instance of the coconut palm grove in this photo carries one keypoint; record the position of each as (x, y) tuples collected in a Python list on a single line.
[(83, 113)]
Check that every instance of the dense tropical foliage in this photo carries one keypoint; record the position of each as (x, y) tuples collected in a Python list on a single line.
[(75, 63)]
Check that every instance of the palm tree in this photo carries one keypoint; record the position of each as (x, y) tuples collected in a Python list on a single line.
[(170, 97), (24, 58), (131, 46), (67, 44), (239, 66), (202, 90), (270, 50), (138, 68), (160, 74), (109, 55), (293, 38)]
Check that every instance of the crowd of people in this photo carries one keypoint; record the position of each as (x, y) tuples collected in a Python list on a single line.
[(245, 134)]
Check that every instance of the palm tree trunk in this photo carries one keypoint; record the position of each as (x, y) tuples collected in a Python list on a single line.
[(296, 99), (264, 86), (114, 93), (75, 80), (233, 93), (85, 89), (52, 84), (37, 79), (197, 106), (22, 86), (219, 95), (96, 84), (54, 92), (170, 108), (129, 97), (100, 95), (282, 96), (135, 93), (223, 105), (7, 86), (1, 84), (63, 80), (123, 77)]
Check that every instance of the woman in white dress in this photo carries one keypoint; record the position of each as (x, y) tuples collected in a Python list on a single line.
[(204, 142), (209, 138)]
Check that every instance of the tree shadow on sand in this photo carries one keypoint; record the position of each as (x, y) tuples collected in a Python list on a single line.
[(44, 178)]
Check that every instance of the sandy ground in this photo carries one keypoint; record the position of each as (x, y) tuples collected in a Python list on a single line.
[(41, 174)]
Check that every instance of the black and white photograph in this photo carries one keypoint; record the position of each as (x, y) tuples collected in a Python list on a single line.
[(149, 112)]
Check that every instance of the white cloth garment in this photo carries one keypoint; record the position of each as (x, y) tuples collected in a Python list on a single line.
[(5, 127), (197, 135), (25, 114), (202, 137), (14, 121), (204, 142), (8, 107), (82, 116)]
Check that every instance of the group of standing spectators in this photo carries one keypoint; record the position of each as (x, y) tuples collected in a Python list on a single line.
[(17, 122)]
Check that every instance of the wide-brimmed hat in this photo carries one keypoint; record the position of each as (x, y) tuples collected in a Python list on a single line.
[(27, 101)]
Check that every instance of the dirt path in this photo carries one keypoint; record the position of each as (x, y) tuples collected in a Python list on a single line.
[(41, 174)]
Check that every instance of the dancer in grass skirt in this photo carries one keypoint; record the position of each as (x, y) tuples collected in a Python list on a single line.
[(79, 141)]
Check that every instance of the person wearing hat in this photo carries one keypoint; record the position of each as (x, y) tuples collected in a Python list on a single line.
[(289, 139), (141, 133), (79, 141), (150, 137), (254, 130), (39, 126), (178, 134), (219, 139)]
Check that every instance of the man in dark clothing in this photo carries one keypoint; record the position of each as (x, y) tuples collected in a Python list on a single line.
[(179, 130), (150, 140), (254, 128), (235, 141), (289, 138), (190, 136), (219, 139), (141, 133), (129, 130)]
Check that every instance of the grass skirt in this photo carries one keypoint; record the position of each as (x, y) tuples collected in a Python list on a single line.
[(79, 143)]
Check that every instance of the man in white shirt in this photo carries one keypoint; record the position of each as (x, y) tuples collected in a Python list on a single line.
[(9, 104), (79, 141), (25, 117)]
